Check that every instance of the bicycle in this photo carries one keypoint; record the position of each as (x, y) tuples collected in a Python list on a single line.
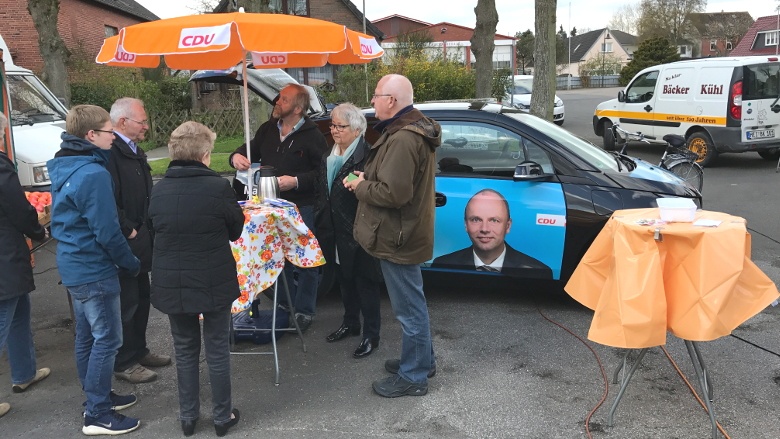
[(676, 158)]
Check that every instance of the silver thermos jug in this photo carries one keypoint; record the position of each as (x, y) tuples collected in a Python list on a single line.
[(265, 184)]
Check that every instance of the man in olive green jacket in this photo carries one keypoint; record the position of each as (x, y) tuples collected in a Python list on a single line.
[(394, 223)]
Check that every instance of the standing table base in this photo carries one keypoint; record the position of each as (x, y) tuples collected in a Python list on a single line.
[(273, 330), (698, 366)]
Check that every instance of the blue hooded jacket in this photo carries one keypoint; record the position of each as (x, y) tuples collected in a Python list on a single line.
[(84, 218)]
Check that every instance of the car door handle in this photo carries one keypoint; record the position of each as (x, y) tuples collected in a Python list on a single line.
[(441, 199), (648, 108)]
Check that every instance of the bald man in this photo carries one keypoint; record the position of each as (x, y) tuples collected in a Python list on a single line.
[(394, 223), (487, 223)]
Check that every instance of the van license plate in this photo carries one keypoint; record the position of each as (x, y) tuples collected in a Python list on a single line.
[(760, 134)]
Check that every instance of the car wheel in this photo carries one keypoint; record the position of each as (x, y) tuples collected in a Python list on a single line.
[(770, 154), (609, 139), (559, 122), (701, 143)]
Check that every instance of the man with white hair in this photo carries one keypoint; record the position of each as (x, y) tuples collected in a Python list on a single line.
[(132, 188), (394, 223)]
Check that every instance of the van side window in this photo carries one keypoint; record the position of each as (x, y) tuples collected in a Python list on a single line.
[(641, 90), (476, 149)]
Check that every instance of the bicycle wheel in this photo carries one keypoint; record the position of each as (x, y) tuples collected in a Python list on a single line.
[(690, 172)]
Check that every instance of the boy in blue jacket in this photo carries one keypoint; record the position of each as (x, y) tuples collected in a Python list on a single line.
[(90, 251)]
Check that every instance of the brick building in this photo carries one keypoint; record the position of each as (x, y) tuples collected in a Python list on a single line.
[(83, 25)]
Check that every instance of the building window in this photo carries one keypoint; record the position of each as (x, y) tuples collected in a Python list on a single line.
[(110, 31), (682, 49), (713, 45), (729, 46), (290, 7), (606, 47), (770, 38)]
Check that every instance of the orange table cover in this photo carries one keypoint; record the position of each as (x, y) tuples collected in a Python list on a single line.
[(698, 282)]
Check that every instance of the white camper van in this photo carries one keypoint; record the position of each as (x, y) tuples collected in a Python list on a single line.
[(37, 120), (719, 105)]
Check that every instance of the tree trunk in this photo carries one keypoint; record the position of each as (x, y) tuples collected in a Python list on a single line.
[(483, 43), (53, 51), (543, 95)]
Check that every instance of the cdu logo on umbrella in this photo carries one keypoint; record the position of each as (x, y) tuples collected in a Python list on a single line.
[(213, 37)]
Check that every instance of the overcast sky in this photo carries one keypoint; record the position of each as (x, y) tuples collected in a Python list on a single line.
[(513, 15)]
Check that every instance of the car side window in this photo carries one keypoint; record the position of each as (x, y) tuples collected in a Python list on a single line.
[(641, 90), (485, 150)]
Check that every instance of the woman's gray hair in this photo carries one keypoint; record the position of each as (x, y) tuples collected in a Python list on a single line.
[(191, 141), (352, 114)]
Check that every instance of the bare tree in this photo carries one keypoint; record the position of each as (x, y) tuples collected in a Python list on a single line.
[(543, 93), (667, 19), (726, 27), (483, 43), (203, 6), (55, 54), (625, 18)]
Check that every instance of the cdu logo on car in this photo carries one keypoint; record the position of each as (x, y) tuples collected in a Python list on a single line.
[(204, 37)]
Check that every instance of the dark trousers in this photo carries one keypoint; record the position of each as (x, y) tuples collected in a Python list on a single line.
[(185, 329), (360, 295), (303, 291), (134, 301)]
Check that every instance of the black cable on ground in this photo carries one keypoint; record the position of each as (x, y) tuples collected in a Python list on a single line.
[(755, 345), (598, 361), (765, 236)]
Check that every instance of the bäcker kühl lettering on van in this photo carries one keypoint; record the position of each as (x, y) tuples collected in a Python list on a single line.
[(675, 90), (711, 89)]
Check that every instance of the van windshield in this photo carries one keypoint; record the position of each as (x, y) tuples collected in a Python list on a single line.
[(30, 101), (761, 81)]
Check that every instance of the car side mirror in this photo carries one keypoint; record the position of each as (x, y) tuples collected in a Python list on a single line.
[(529, 171), (621, 96)]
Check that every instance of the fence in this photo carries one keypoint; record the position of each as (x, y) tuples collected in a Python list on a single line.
[(562, 82), (225, 122)]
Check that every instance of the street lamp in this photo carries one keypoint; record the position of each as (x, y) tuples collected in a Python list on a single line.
[(604, 55)]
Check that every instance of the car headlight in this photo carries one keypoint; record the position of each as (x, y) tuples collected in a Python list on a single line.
[(559, 102), (40, 174)]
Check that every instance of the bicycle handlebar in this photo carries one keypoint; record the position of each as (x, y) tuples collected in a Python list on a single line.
[(638, 135)]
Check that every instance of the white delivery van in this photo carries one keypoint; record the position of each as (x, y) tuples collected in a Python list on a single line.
[(719, 105), (37, 120)]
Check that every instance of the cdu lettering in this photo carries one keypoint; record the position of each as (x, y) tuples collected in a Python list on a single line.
[(198, 40), (124, 56), (273, 59), (366, 49), (549, 221)]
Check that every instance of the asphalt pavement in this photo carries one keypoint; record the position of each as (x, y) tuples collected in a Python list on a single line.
[(513, 362)]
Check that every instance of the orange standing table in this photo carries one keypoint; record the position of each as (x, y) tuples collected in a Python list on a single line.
[(643, 277)]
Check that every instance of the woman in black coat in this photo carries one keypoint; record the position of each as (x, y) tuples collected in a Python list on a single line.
[(194, 215), (358, 274), (17, 219)]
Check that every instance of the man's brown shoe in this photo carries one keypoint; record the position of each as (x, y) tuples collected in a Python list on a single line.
[(40, 375), (154, 360), (136, 374)]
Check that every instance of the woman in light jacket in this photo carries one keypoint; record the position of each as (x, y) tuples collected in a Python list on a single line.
[(194, 215)]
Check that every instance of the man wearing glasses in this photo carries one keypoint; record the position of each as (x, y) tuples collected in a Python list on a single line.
[(394, 223), (132, 189), (294, 146)]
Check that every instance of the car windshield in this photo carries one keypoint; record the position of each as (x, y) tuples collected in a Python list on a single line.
[(523, 86), (29, 101), (594, 155)]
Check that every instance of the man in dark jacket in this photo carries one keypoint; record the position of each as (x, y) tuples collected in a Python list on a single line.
[(294, 146), (132, 187), (17, 219), (394, 223)]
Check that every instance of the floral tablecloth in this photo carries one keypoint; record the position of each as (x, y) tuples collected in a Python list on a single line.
[(271, 235)]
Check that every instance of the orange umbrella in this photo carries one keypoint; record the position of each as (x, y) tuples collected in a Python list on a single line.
[(220, 41)]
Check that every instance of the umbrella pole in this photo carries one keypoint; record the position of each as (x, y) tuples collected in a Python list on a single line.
[(250, 177)]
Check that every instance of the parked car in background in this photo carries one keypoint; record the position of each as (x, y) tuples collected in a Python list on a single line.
[(560, 190), (519, 96), (719, 105)]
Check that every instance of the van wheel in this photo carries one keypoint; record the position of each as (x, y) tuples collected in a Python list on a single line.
[(609, 139), (770, 154), (701, 144)]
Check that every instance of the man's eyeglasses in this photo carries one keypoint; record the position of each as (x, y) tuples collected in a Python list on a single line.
[(338, 128), (104, 131), (140, 122), (380, 95)]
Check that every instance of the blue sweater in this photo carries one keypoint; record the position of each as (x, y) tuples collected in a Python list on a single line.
[(84, 220)]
